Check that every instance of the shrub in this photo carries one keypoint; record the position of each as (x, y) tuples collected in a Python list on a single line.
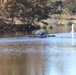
[(51, 27), (70, 23)]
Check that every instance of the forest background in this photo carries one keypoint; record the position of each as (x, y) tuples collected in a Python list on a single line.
[(27, 15)]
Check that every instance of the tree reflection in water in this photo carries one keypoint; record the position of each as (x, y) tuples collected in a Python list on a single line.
[(44, 56)]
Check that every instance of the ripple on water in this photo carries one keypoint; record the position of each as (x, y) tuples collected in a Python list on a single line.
[(55, 56)]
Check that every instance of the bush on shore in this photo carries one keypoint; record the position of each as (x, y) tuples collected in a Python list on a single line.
[(17, 27)]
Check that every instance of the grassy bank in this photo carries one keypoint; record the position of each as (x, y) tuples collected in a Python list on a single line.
[(47, 24)]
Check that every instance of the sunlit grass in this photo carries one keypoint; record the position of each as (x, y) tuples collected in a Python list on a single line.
[(67, 22)]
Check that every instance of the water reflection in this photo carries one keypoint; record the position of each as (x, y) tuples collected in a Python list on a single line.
[(40, 56), (21, 59), (56, 29), (36, 58)]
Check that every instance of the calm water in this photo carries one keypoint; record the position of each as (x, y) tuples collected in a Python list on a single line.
[(56, 29), (38, 56)]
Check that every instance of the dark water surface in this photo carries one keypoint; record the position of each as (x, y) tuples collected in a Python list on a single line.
[(56, 29), (38, 56)]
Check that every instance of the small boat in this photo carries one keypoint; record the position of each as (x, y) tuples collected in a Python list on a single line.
[(41, 33)]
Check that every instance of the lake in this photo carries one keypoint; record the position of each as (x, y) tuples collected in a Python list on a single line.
[(55, 29), (38, 56)]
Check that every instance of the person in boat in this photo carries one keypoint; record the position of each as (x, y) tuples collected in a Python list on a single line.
[(41, 33)]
